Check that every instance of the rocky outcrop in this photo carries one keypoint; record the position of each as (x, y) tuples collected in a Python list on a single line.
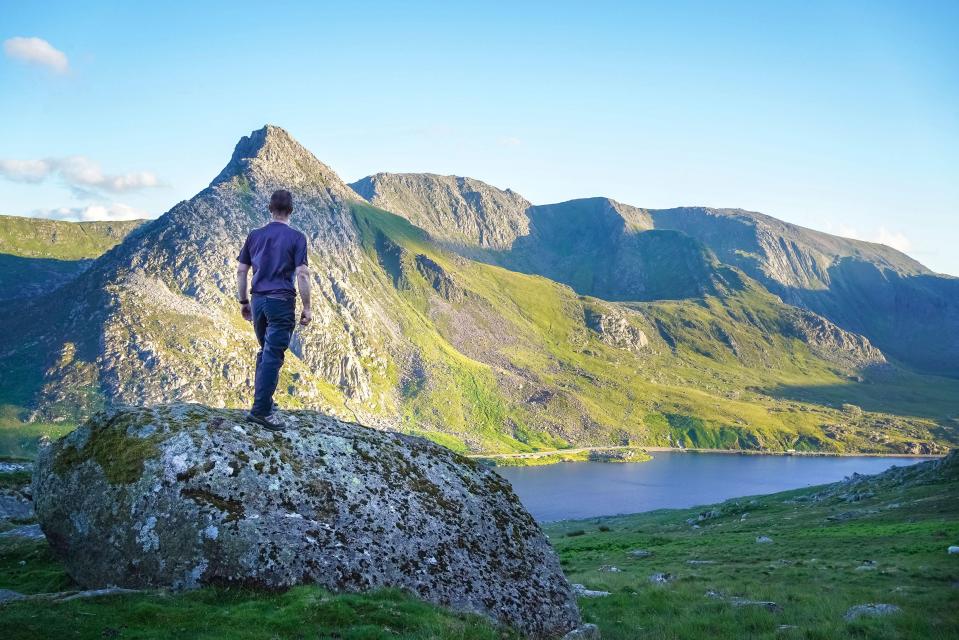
[(184, 496), (831, 342), (615, 329)]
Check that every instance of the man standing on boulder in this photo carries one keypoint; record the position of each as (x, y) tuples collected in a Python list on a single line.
[(277, 253)]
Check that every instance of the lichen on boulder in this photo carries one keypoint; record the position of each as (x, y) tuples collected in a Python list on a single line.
[(185, 496)]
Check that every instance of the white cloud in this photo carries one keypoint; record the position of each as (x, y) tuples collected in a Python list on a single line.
[(78, 172), (25, 170), (83, 172), (92, 212), (509, 141), (36, 51), (895, 239)]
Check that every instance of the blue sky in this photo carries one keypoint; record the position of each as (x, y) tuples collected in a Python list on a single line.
[(840, 116)]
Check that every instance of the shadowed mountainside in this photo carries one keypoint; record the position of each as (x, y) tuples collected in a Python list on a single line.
[(618, 252), (37, 256)]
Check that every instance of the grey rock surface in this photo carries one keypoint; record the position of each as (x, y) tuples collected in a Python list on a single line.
[(183, 496), (14, 467), (585, 632), (28, 531), (615, 329), (459, 211), (870, 610), (6, 595), (580, 591), (15, 507)]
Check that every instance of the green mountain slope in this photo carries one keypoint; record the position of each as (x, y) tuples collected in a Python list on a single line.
[(601, 247), (40, 255), (694, 372), (39, 238), (411, 335), (909, 312)]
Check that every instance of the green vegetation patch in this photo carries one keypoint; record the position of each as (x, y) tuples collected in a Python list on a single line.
[(120, 455), (218, 613), (19, 438)]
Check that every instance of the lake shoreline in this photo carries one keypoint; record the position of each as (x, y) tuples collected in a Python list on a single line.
[(535, 455), (677, 480)]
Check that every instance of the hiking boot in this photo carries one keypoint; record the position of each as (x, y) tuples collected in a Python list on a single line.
[(271, 422)]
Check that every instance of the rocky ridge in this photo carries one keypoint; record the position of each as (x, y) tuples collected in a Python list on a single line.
[(458, 211)]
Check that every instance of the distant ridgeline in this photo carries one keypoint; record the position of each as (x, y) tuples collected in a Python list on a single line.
[(448, 307), (38, 256)]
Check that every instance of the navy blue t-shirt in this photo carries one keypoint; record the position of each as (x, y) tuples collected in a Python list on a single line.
[(274, 251)]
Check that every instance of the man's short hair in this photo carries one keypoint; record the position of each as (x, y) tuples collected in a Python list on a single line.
[(281, 202)]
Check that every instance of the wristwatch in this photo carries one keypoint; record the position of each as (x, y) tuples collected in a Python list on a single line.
[(245, 301)]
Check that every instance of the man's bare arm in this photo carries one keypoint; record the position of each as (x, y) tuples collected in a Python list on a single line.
[(242, 271), (304, 287)]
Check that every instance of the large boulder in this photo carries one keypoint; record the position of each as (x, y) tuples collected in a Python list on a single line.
[(184, 496)]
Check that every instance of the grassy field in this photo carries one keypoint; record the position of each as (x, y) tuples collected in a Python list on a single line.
[(828, 553), (18, 438), (881, 540), (60, 240)]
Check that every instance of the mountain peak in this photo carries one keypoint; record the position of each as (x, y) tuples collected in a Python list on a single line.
[(454, 209), (271, 158)]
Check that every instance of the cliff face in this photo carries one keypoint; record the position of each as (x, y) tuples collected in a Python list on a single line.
[(905, 309), (457, 211)]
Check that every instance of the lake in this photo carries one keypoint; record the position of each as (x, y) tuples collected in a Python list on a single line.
[(673, 480)]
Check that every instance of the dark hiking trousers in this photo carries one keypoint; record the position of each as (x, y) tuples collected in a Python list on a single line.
[(273, 322)]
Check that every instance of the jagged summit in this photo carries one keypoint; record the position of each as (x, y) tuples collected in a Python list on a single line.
[(271, 158)]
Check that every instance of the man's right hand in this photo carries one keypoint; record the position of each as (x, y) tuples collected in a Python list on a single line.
[(246, 312), (306, 316)]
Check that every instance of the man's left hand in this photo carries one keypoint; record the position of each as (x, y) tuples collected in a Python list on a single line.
[(306, 316), (246, 313)]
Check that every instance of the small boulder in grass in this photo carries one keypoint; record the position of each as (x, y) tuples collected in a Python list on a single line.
[(580, 591), (870, 610), (763, 539), (583, 632), (953, 550), (640, 553)]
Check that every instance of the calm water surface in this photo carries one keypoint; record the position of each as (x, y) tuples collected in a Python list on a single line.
[(673, 480)]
